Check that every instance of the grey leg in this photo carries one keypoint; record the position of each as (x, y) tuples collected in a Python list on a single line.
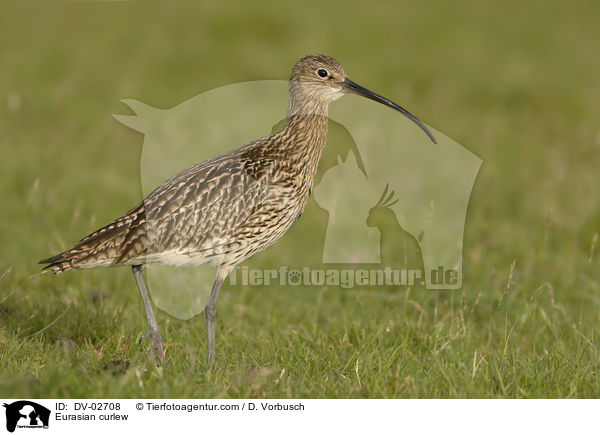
[(210, 311), (153, 333)]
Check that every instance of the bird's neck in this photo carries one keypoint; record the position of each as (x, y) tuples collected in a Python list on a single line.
[(306, 123), (306, 135), (306, 100), (301, 141)]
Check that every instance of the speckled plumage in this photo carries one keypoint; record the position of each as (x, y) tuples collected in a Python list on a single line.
[(230, 207), (220, 211)]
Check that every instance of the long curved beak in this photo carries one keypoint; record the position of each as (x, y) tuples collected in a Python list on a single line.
[(354, 88)]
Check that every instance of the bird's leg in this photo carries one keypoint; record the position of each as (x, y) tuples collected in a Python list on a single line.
[(210, 311), (153, 333)]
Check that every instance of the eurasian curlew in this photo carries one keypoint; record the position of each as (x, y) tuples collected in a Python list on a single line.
[(230, 207)]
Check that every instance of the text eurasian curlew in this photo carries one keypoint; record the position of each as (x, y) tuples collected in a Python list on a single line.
[(230, 207)]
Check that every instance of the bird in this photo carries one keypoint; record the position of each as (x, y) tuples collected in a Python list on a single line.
[(398, 247), (230, 207)]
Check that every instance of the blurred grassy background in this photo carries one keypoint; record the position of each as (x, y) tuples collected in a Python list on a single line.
[(516, 83)]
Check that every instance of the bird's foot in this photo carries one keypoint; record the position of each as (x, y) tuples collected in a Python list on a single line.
[(156, 345), (210, 359)]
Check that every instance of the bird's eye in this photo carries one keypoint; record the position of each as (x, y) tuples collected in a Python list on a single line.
[(322, 73)]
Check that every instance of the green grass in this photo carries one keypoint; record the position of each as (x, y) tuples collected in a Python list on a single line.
[(515, 83)]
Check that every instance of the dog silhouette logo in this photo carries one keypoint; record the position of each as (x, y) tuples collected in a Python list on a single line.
[(26, 414), (368, 148)]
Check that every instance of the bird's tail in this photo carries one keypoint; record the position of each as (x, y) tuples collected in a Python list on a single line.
[(109, 246)]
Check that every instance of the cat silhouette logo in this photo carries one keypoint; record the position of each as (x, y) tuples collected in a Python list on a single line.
[(384, 194), (26, 414)]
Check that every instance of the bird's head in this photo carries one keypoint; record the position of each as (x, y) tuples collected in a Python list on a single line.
[(382, 211), (320, 76), (321, 79)]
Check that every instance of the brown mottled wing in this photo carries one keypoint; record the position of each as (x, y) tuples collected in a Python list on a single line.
[(197, 210)]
